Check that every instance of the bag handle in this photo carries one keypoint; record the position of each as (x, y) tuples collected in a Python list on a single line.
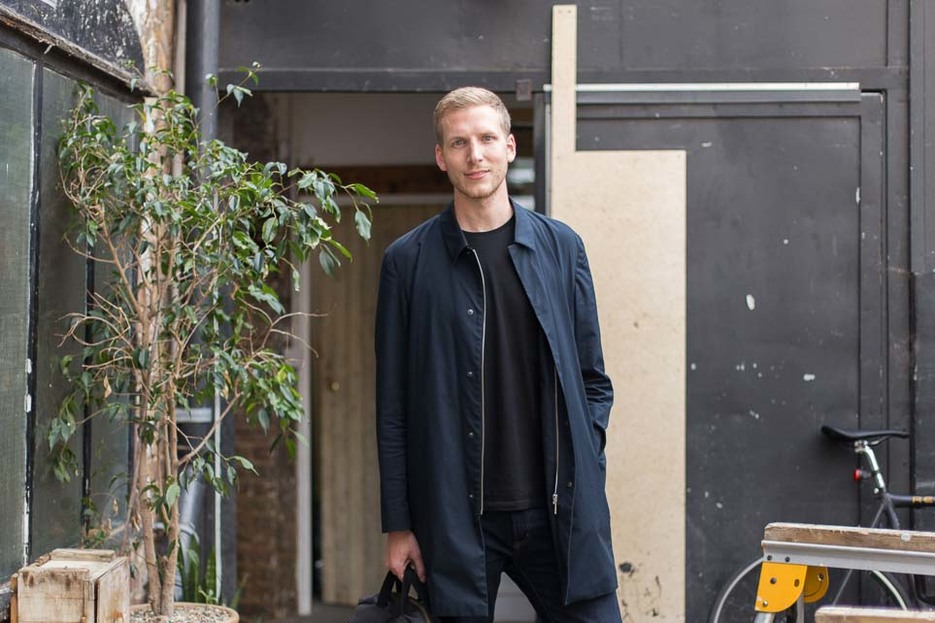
[(410, 580)]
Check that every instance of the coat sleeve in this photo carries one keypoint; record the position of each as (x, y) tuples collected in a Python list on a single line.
[(392, 327), (598, 389)]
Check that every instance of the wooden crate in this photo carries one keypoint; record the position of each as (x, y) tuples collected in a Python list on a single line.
[(841, 614), (73, 586)]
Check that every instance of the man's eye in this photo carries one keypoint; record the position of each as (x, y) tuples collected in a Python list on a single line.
[(488, 138), (457, 143)]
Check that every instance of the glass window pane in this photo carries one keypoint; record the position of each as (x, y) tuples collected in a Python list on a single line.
[(16, 162), (56, 508)]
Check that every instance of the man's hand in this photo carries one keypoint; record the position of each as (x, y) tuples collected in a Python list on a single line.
[(401, 549)]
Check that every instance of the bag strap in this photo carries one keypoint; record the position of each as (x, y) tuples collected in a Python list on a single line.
[(386, 591)]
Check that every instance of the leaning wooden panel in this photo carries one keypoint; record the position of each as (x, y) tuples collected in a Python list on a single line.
[(629, 207), (847, 536), (837, 614), (344, 410)]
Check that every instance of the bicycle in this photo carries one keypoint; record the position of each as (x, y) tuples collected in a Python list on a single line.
[(734, 603)]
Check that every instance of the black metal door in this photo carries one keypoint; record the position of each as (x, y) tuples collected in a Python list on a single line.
[(787, 298)]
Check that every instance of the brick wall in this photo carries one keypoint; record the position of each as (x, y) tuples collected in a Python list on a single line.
[(266, 505), (266, 528)]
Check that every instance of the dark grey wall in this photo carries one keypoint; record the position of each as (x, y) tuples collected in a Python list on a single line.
[(854, 305), (409, 45)]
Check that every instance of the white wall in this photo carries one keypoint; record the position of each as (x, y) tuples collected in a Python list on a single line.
[(342, 129)]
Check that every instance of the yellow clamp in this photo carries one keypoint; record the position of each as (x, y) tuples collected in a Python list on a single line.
[(781, 584)]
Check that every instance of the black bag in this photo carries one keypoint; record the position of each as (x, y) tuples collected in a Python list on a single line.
[(393, 603)]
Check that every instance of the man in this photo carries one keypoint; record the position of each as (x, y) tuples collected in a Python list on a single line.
[(492, 399)]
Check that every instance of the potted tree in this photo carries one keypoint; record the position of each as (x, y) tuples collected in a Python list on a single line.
[(190, 232)]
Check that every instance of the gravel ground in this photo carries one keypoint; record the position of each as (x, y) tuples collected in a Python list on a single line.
[(184, 614)]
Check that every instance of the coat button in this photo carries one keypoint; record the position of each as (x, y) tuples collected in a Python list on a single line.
[(470, 312), (471, 435), (470, 496), (570, 484), (470, 374)]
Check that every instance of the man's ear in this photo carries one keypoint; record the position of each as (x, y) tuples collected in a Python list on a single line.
[(510, 148), (440, 159)]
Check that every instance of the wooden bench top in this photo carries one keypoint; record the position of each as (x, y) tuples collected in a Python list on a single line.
[(847, 536), (851, 614)]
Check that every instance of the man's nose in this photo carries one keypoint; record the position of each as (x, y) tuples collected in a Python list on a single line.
[(476, 151)]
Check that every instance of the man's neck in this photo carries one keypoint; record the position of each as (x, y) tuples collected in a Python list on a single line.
[(479, 215)]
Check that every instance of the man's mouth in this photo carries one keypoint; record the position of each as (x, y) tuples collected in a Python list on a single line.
[(476, 175)]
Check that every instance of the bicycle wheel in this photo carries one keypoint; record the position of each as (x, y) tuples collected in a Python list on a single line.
[(868, 588), (736, 600)]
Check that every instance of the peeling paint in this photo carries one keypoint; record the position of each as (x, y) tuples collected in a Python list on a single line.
[(751, 302), (808, 378)]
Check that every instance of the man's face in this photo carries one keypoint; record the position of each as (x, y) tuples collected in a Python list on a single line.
[(475, 151)]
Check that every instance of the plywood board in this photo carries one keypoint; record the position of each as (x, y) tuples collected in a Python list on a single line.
[(629, 208)]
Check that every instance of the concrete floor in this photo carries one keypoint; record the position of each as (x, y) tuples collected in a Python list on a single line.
[(323, 613)]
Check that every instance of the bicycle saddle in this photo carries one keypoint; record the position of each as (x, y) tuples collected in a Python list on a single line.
[(872, 436)]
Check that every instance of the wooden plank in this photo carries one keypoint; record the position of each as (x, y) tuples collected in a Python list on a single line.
[(840, 614), (113, 594), (93, 555), (14, 602), (897, 540)]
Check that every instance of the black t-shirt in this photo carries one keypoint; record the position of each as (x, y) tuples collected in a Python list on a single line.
[(513, 460)]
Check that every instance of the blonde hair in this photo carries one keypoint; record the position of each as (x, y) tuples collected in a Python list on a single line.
[(468, 97)]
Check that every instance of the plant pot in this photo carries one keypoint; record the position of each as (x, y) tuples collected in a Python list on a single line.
[(187, 613)]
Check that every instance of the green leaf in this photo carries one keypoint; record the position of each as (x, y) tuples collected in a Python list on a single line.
[(269, 229), (266, 294), (307, 179), (172, 494), (327, 261), (244, 463), (340, 247), (141, 358), (362, 223), (262, 417), (360, 189)]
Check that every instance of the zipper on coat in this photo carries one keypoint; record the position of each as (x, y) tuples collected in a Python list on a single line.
[(555, 403), (483, 407)]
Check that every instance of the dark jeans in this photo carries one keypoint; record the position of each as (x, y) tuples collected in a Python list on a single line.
[(519, 543)]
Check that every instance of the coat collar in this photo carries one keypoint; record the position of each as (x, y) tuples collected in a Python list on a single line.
[(454, 239)]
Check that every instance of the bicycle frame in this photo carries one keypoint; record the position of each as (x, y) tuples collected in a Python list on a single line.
[(886, 512)]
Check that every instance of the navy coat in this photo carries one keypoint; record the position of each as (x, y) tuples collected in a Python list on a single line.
[(429, 336)]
